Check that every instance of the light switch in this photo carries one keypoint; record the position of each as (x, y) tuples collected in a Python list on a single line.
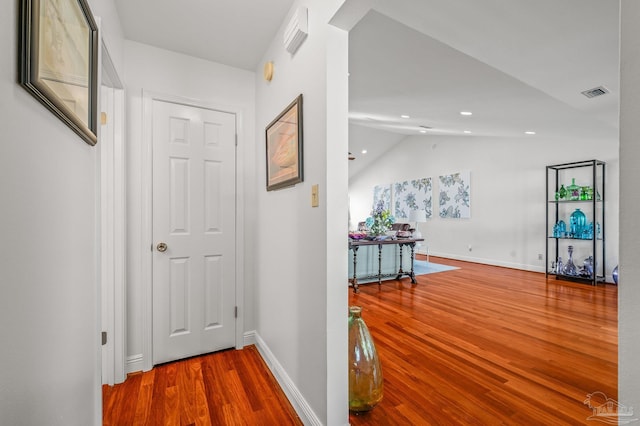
[(315, 202)]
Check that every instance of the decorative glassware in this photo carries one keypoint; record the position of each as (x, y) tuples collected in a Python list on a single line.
[(615, 274), (577, 223), (570, 268), (365, 372), (573, 190), (561, 229), (562, 192), (559, 266), (587, 267)]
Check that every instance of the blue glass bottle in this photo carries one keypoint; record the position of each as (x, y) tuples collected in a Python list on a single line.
[(577, 223)]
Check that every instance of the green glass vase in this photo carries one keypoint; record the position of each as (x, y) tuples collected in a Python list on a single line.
[(365, 372)]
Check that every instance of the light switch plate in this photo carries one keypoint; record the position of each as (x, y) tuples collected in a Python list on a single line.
[(315, 202)]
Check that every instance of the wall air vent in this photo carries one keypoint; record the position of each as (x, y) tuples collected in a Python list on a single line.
[(296, 30), (598, 91)]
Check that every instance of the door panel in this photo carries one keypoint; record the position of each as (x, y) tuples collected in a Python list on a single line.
[(194, 214)]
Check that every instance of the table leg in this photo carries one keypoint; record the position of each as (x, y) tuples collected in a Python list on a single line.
[(354, 282), (379, 264), (400, 271), (412, 274)]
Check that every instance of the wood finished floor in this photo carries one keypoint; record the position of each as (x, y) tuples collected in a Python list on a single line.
[(480, 345), (485, 345), (224, 388)]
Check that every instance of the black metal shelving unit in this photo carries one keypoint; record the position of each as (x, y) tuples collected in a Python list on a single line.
[(558, 209)]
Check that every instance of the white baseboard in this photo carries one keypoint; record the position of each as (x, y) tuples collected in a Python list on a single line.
[(521, 266), (294, 396), (134, 364)]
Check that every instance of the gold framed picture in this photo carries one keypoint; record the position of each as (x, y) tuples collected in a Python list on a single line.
[(284, 147), (59, 47)]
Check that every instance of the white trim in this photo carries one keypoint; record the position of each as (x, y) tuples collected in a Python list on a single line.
[(521, 266), (134, 364), (294, 396), (112, 220), (249, 338), (147, 223)]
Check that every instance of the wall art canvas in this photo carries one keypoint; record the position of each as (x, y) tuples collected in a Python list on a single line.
[(413, 195), (455, 199), (382, 193), (59, 61), (284, 147)]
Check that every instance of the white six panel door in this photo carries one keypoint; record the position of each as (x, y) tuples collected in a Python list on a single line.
[(194, 210)]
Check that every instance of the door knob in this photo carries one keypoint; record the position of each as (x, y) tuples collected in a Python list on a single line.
[(162, 247)]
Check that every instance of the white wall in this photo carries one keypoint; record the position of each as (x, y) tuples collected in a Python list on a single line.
[(112, 34), (48, 293), (161, 71), (629, 292), (507, 221), (300, 297)]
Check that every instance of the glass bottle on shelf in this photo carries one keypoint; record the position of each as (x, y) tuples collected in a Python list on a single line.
[(573, 190), (562, 193), (577, 224), (559, 266), (570, 268)]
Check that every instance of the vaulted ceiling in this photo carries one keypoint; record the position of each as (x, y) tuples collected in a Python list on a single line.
[(518, 65)]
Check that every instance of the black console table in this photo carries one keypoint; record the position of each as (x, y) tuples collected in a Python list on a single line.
[(354, 245)]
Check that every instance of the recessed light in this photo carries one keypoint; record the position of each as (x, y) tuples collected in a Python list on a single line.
[(466, 113), (364, 151), (405, 116), (423, 131), (529, 133), (467, 131)]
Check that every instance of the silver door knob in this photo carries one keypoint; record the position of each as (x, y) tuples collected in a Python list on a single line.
[(162, 247)]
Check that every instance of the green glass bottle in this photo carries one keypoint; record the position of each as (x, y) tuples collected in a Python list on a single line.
[(573, 190), (562, 192), (365, 372)]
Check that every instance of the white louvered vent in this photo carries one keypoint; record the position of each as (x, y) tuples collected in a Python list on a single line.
[(597, 91), (296, 30)]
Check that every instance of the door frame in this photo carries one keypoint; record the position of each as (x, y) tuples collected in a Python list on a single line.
[(112, 221), (146, 246)]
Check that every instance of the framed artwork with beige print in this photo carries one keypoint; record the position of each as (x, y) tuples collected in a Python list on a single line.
[(284, 147), (59, 59)]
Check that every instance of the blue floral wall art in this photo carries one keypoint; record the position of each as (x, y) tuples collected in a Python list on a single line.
[(454, 195), (412, 195), (382, 192)]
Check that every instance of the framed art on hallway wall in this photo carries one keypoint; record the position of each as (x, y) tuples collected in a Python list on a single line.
[(284, 147), (59, 46)]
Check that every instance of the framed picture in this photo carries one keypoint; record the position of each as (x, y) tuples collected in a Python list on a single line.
[(284, 147), (59, 46)]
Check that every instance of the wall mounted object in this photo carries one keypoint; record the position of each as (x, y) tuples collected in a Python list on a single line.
[(268, 71), (413, 195), (284, 147), (59, 46), (455, 200), (296, 31)]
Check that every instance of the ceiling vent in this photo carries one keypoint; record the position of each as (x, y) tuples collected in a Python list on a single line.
[(598, 91), (426, 127)]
